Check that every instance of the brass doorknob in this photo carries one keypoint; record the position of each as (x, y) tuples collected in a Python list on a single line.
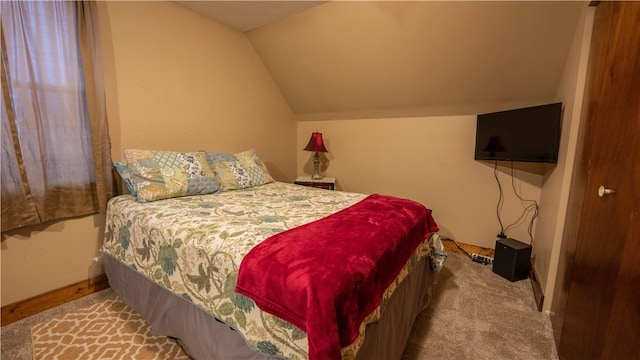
[(602, 191)]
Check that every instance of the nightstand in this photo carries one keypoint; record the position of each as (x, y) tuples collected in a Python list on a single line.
[(328, 183)]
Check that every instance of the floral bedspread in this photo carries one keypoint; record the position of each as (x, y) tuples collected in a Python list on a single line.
[(194, 245)]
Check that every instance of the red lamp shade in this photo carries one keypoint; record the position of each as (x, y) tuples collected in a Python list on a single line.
[(315, 143)]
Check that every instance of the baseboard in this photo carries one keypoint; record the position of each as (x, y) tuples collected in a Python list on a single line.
[(25, 308), (538, 294)]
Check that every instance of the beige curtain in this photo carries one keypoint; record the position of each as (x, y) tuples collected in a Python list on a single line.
[(55, 142)]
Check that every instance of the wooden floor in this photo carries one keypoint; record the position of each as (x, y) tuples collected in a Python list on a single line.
[(450, 246), (25, 308)]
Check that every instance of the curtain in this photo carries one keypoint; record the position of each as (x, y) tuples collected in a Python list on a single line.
[(56, 160)]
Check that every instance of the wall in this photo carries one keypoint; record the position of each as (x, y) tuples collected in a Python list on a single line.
[(379, 59), (555, 192), (430, 159), (196, 84), (427, 159), (41, 258), (175, 80)]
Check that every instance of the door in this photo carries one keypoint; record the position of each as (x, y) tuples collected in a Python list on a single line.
[(602, 314)]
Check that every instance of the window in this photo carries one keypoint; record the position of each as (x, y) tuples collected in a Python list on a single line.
[(55, 145)]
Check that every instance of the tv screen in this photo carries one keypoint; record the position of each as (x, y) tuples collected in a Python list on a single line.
[(529, 134)]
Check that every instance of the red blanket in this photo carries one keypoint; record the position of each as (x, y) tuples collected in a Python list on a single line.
[(327, 276)]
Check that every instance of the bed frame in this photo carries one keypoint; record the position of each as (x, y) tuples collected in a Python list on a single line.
[(205, 337)]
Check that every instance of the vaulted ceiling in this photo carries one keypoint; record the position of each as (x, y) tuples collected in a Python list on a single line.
[(353, 59)]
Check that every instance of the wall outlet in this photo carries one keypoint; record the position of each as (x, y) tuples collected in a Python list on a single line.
[(481, 259), (96, 269)]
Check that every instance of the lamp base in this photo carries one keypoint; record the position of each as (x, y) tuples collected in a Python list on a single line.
[(316, 167)]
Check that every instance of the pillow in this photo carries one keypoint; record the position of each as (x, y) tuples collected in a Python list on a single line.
[(231, 175), (160, 175), (125, 175), (240, 170)]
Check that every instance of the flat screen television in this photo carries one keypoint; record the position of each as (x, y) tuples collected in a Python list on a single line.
[(529, 134)]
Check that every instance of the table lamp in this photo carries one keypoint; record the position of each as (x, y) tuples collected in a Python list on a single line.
[(316, 145)]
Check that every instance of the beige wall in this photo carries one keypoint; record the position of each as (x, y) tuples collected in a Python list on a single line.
[(428, 159), (38, 259), (555, 192), (185, 82), (360, 59), (175, 81)]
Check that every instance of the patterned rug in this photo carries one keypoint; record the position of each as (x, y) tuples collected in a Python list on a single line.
[(106, 330)]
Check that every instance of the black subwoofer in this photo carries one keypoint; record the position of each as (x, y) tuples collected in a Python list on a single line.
[(512, 259)]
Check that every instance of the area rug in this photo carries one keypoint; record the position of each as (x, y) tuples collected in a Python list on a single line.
[(106, 330)]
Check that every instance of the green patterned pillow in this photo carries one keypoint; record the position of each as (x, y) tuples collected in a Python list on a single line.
[(160, 175), (255, 168), (239, 171), (231, 175)]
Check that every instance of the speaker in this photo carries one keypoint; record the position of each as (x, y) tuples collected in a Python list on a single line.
[(512, 259)]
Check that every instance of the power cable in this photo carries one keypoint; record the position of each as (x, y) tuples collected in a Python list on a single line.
[(500, 200), (527, 209)]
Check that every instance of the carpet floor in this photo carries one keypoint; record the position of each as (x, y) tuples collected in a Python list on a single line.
[(474, 314), (477, 314)]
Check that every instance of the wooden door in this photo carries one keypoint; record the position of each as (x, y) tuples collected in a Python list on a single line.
[(602, 314)]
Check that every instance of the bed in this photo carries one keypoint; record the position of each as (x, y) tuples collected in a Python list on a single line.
[(184, 264)]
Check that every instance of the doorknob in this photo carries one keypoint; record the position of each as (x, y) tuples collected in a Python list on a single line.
[(602, 191)]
